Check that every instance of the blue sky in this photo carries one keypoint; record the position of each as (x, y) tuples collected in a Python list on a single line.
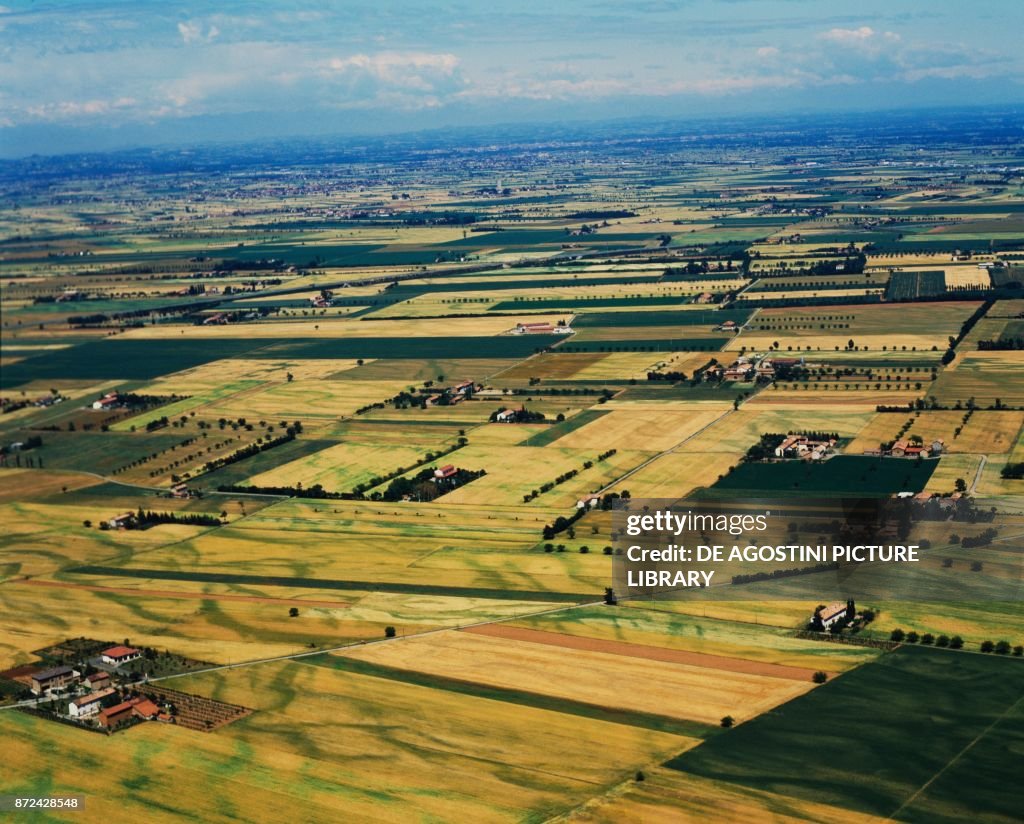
[(92, 75)]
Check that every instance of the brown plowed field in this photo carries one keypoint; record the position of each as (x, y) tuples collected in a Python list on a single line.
[(670, 656)]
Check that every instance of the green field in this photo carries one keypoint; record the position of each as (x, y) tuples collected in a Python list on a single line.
[(901, 741), (842, 475)]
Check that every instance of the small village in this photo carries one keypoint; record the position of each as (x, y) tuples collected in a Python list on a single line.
[(106, 689)]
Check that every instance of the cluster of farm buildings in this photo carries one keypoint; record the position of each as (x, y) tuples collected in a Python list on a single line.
[(751, 368), (907, 448), (805, 448), (560, 328), (100, 699)]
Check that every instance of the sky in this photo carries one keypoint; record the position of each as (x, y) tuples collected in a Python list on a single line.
[(83, 76)]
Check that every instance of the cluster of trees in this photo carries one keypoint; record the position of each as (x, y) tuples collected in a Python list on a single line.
[(565, 476), (1001, 648), (316, 491), (144, 519), (1014, 470), (950, 354), (31, 442), (522, 415), (253, 449), (983, 539), (547, 487), (782, 573), (561, 524), (424, 486), (1008, 343), (585, 390), (673, 377), (901, 637), (697, 268), (359, 489), (765, 448), (157, 423)]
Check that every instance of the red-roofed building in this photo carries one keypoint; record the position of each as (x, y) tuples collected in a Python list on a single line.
[(144, 708), (116, 716), (120, 655), (445, 471)]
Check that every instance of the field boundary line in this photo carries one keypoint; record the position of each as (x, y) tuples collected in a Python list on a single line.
[(956, 758), (662, 454)]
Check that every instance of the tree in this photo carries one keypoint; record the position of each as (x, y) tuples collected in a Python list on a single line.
[(897, 635), (609, 597), (1002, 648), (956, 642), (87, 524), (912, 637), (640, 776), (987, 646), (819, 677), (961, 485), (927, 638), (389, 632), (728, 721), (293, 612), (942, 641)]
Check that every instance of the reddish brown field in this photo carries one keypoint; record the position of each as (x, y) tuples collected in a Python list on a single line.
[(669, 656)]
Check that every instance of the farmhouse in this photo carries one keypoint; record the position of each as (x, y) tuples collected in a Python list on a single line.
[(533, 329), (808, 449), (116, 656), (122, 521), (464, 388), (542, 329), (739, 370), (588, 502), (506, 416), (89, 704), (727, 326), (899, 448), (181, 491), (446, 471), (53, 679), (829, 615), (108, 401)]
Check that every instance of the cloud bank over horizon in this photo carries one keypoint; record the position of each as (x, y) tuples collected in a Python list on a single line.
[(90, 75)]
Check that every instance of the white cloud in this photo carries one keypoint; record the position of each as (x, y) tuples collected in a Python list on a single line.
[(74, 109), (191, 31), (861, 35), (394, 65), (768, 51)]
